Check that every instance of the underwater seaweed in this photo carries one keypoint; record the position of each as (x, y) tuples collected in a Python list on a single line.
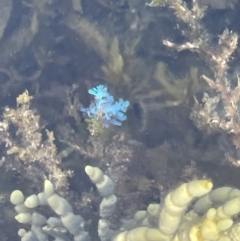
[(104, 109)]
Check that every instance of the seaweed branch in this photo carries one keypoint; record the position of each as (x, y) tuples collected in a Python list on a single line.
[(218, 111), (33, 156)]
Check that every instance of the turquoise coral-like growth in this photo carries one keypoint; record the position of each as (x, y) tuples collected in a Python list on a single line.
[(105, 109)]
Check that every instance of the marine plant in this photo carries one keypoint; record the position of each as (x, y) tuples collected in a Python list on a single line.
[(104, 110)]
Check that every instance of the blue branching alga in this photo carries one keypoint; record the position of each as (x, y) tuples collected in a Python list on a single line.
[(105, 109)]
